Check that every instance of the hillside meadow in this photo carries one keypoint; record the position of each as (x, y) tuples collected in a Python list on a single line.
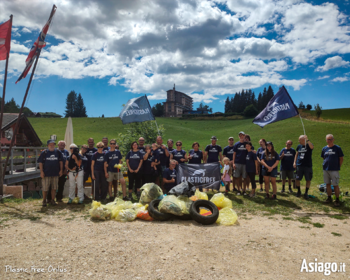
[(201, 131)]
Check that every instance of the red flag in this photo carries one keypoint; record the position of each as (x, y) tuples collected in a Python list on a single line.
[(5, 39), (38, 45)]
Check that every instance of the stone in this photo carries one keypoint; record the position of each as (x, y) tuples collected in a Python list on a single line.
[(16, 191)]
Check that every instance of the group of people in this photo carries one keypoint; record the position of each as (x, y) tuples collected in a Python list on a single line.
[(156, 163)]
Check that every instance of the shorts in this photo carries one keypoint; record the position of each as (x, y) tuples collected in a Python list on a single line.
[(114, 176), (240, 171), (287, 173), (273, 173), (331, 177), (304, 171), (87, 174), (50, 181), (160, 169)]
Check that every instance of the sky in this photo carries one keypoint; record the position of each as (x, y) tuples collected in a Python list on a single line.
[(112, 51)]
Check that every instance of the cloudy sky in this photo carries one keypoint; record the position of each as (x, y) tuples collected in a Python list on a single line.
[(111, 51)]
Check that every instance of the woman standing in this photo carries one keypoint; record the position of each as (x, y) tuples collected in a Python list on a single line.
[(98, 174), (270, 162), (151, 160), (195, 155), (179, 154), (134, 160), (75, 174), (252, 166), (259, 154)]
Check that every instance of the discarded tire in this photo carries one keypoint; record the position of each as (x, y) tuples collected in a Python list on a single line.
[(185, 217), (154, 212), (204, 220)]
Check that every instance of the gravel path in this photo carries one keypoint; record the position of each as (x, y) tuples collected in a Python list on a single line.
[(257, 248)]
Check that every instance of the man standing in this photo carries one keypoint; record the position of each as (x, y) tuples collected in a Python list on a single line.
[(303, 164), (239, 162), (105, 144), (170, 144), (213, 152), (89, 153), (111, 158), (141, 148), (63, 177), (51, 168), (163, 157), (332, 161), (287, 156), (228, 152), (169, 176)]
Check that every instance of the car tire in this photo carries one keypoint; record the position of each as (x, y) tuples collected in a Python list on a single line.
[(204, 220), (184, 217), (154, 212)]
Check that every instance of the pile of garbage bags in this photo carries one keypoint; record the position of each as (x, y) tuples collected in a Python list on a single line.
[(227, 216), (175, 205)]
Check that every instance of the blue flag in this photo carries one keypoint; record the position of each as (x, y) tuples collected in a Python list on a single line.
[(136, 110), (280, 107)]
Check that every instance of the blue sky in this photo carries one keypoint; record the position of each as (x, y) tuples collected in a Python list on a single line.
[(112, 51)]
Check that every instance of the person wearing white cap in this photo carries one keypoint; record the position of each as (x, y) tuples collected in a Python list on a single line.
[(75, 174)]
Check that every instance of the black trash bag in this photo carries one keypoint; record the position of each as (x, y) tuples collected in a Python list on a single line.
[(185, 188)]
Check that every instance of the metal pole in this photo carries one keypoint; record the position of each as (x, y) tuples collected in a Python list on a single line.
[(302, 124)]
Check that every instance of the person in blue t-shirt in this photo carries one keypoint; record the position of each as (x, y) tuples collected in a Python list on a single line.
[(251, 166), (163, 157), (112, 173), (303, 164), (105, 144), (142, 149), (270, 162), (228, 152), (150, 162), (87, 172), (287, 156), (195, 155), (239, 161), (51, 168), (179, 154), (259, 154), (170, 147), (62, 179), (134, 160), (332, 161), (213, 152), (98, 174), (169, 176)]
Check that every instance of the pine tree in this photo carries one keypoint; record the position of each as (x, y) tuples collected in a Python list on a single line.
[(270, 94), (259, 106), (71, 104), (80, 109), (227, 105)]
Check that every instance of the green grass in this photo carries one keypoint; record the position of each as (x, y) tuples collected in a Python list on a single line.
[(336, 234), (318, 225), (334, 114), (201, 131)]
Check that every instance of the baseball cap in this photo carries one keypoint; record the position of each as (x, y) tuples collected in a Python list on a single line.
[(214, 138), (230, 138), (50, 141), (241, 132)]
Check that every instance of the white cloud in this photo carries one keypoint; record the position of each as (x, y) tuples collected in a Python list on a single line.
[(323, 77), (191, 43), (26, 30), (333, 62), (341, 79)]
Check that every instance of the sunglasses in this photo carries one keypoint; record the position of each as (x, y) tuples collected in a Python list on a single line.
[(178, 145), (112, 143), (100, 147), (329, 139), (71, 148)]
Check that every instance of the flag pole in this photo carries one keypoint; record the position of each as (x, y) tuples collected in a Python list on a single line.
[(302, 124), (152, 113), (1, 118), (20, 112)]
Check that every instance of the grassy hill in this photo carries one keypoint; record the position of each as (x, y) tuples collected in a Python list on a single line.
[(333, 114), (201, 131)]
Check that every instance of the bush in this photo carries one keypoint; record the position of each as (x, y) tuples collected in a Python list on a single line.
[(134, 131), (308, 107), (318, 110), (250, 111)]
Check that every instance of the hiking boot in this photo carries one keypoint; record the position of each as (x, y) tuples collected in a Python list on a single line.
[(111, 198), (298, 194), (282, 191), (44, 203), (53, 203), (125, 198), (290, 190), (267, 196), (274, 196), (235, 190), (329, 200), (306, 196), (336, 203)]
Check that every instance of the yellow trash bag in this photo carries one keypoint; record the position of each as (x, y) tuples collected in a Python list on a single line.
[(186, 204), (98, 211), (201, 195), (118, 205), (227, 217), (221, 201), (126, 215), (171, 204), (150, 191)]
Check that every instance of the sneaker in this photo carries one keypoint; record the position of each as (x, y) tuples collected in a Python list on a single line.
[(53, 203), (274, 196), (111, 198), (235, 190), (329, 200), (267, 196), (252, 195), (290, 191), (238, 193), (244, 193), (59, 200), (125, 198), (336, 203), (298, 194), (81, 201), (282, 191), (44, 203), (261, 190), (130, 196), (70, 201), (306, 196)]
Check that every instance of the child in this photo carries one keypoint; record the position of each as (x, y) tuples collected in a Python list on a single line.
[(225, 176), (252, 167)]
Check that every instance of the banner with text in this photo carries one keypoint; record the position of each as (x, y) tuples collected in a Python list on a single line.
[(136, 110), (201, 175)]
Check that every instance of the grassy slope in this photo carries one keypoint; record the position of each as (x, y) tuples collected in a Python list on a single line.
[(189, 131), (334, 114)]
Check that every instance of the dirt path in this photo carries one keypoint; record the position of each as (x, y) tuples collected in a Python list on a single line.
[(257, 248)]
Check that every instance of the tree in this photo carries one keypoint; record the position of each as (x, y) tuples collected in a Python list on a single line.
[(102, 116), (308, 107), (318, 110), (301, 105), (80, 109), (133, 131), (203, 108), (158, 110), (71, 104), (250, 111)]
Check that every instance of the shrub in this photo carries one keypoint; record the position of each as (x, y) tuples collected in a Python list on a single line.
[(250, 111)]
